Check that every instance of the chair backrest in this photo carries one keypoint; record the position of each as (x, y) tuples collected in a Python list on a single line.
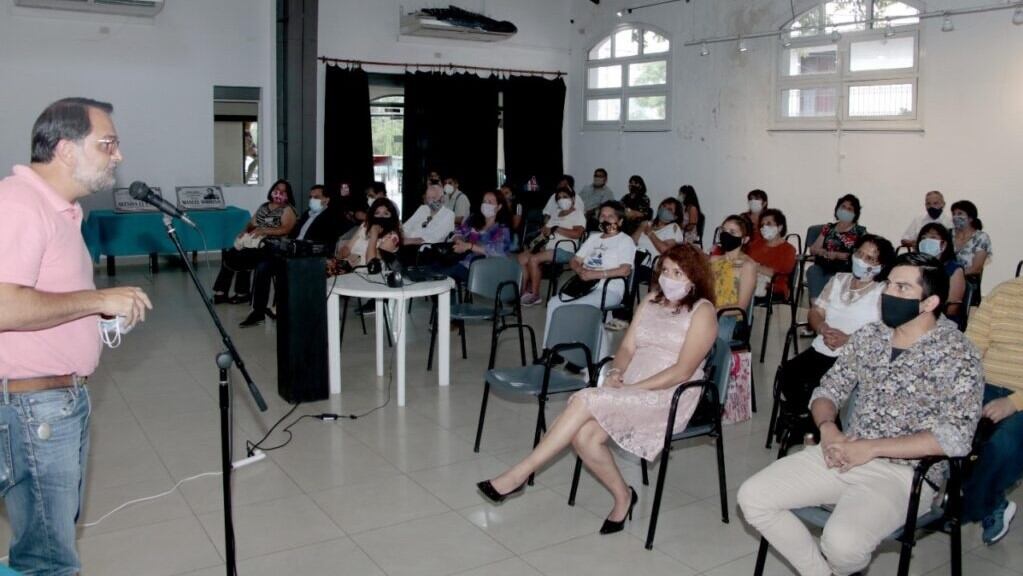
[(576, 323), (1019, 268), (963, 318), (719, 367), (486, 274), (701, 222), (798, 241), (811, 235)]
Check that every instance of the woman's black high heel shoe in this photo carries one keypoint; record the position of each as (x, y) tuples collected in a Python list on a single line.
[(491, 493), (610, 526)]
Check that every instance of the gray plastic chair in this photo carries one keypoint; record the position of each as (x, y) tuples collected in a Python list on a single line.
[(574, 335), (706, 421), (496, 279)]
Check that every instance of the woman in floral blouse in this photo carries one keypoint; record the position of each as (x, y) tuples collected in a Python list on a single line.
[(485, 233), (834, 246), (972, 243)]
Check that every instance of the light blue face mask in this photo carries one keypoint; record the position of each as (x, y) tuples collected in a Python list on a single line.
[(112, 329), (844, 215), (931, 246), (665, 215), (959, 222), (862, 270)]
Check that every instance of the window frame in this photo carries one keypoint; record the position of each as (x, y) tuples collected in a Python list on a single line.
[(625, 92), (843, 78)]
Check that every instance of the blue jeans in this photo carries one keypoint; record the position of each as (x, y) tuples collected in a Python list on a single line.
[(1000, 465), (44, 444)]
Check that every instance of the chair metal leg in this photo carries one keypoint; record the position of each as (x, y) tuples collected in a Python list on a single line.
[(483, 415), (433, 336), (575, 480), (643, 469), (767, 323), (721, 475), (761, 557), (752, 391), (522, 333), (344, 318), (540, 426), (956, 541), (775, 407), (387, 326), (461, 332), (362, 317), (658, 492)]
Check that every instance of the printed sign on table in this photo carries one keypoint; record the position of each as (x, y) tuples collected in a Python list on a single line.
[(125, 204), (200, 198)]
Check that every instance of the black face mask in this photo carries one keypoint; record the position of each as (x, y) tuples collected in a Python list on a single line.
[(381, 221), (608, 227), (897, 311), (934, 213), (729, 242)]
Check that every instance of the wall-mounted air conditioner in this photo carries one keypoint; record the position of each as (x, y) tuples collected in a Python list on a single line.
[(455, 23), (118, 7)]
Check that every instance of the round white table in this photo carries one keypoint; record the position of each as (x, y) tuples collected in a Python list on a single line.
[(374, 287)]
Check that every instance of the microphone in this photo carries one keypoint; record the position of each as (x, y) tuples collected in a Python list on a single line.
[(139, 191)]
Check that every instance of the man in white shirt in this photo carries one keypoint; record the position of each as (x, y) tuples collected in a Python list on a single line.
[(934, 202), (432, 222), (594, 195), (456, 200)]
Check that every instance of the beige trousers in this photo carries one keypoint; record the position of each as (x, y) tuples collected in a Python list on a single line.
[(869, 504)]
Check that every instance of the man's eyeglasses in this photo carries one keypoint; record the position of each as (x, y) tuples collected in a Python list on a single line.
[(109, 145)]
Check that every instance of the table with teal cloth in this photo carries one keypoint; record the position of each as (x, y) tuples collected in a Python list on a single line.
[(110, 234)]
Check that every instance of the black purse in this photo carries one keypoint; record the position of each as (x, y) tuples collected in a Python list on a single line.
[(575, 288)]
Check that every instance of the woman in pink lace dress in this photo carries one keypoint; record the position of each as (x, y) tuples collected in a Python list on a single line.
[(666, 345)]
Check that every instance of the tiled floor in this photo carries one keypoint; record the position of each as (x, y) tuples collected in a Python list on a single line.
[(393, 492)]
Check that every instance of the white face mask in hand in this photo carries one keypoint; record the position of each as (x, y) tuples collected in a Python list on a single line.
[(112, 329)]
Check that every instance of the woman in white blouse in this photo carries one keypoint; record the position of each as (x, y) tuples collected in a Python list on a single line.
[(848, 302), (658, 235)]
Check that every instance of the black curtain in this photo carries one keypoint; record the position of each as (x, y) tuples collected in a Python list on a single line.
[(534, 111), (450, 127), (347, 135)]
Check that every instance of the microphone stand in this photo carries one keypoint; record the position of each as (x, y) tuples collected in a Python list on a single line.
[(224, 361)]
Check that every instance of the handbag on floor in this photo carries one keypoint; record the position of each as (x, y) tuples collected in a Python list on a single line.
[(739, 401)]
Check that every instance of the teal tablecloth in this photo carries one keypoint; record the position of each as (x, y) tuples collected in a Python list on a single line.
[(110, 234)]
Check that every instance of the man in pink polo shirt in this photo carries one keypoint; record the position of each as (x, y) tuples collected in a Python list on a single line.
[(49, 332)]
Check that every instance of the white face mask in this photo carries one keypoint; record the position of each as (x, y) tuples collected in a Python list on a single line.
[(931, 246), (315, 205), (488, 210), (675, 289), (755, 206), (112, 329), (448, 188), (769, 232), (565, 203)]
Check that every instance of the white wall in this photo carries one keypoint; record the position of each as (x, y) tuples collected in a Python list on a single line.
[(368, 30), (159, 74), (971, 93)]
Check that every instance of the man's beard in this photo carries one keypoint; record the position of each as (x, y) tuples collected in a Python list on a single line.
[(98, 181)]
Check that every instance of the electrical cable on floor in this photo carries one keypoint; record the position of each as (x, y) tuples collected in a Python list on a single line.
[(148, 498)]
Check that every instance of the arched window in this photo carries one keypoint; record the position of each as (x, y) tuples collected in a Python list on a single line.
[(628, 80), (850, 64)]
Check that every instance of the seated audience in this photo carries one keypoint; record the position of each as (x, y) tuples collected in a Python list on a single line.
[(484, 233), (775, 256), (972, 244), (849, 301), (735, 273), (594, 195), (658, 236), (321, 223), (514, 208), (350, 209), (380, 233), (431, 223), (603, 256), (275, 218), (918, 383), (935, 239), (456, 200), (560, 234), (375, 190), (756, 200), (664, 347), (833, 247), (996, 328), (551, 207), (691, 214), (934, 203), (637, 204)]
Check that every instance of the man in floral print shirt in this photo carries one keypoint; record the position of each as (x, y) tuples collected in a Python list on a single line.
[(918, 384)]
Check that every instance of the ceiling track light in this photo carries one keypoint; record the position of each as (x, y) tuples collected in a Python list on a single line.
[(618, 13), (835, 36), (742, 45), (946, 24), (1017, 16), (704, 50), (888, 31)]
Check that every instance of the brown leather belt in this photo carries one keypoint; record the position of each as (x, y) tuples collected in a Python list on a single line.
[(40, 384)]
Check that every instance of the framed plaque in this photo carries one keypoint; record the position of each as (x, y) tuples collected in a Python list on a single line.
[(200, 198), (125, 204)]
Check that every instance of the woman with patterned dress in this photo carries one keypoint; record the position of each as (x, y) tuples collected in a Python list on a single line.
[(972, 243), (273, 219), (832, 251), (665, 346)]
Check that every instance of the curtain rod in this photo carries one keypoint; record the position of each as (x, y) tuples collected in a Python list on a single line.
[(449, 66), (1015, 5)]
